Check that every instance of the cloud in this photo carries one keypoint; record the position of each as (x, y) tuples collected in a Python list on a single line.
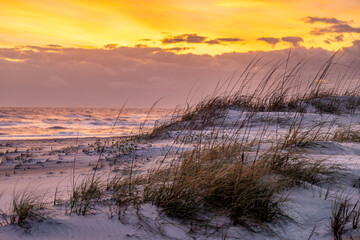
[(189, 38), (109, 76), (111, 46), (194, 38), (309, 19), (54, 46), (338, 38), (213, 41), (178, 49), (269, 40), (141, 45), (336, 28), (229, 39), (294, 41)]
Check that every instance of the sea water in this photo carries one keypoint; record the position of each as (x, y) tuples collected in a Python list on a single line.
[(42, 123)]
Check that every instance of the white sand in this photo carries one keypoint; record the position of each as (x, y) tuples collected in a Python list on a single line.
[(49, 166)]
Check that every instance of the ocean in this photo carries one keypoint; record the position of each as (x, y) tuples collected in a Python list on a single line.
[(45, 123)]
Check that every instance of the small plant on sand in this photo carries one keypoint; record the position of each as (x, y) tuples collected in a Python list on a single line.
[(120, 148), (85, 195), (122, 193), (343, 213), (25, 206), (346, 135)]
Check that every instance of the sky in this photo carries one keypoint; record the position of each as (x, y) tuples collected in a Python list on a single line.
[(103, 53)]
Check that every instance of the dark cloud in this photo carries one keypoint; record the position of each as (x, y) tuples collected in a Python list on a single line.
[(229, 39), (141, 45), (356, 44), (323, 20), (108, 77), (269, 40), (54, 45), (338, 38), (213, 41), (336, 28), (194, 38), (293, 40), (178, 49), (110, 46), (176, 39), (189, 38)]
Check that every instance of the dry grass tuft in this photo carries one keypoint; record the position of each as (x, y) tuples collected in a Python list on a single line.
[(229, 179), (344, 212), (26, 206), (85, 195), (122, 194), (346, 135)]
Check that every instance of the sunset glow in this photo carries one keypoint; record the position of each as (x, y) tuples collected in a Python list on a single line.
[(93, 24), (103, 53)]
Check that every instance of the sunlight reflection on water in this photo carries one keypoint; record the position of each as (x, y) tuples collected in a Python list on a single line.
[(36, 123)]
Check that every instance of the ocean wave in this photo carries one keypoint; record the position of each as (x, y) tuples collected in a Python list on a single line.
[(100, 123), (51, 120), (38, 123), (68, 133), (11, 123), (57, 127)]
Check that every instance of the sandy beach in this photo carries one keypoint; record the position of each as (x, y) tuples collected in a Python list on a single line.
[(48, 168)]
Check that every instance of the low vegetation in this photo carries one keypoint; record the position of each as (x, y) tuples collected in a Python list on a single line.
[(85, 195), (26, 206), (227, 161), (346, 135), (345, 215)]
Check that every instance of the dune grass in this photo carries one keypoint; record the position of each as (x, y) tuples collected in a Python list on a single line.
[(243, 175), (241, 170), (346, 135), (230, 159), (240, 179), (345, 215), (26, 205)]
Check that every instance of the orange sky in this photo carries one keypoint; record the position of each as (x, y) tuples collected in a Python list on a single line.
[(102, 53), (93, 24)]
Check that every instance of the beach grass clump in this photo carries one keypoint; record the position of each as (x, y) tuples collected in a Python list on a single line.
[(246, 193), (345, 215), (326, 104), (334, 101), (85, 195), (277, 90), (26, 206), (228, 178), (243, 175), (122, 192), (346, 135), (297, 169)]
